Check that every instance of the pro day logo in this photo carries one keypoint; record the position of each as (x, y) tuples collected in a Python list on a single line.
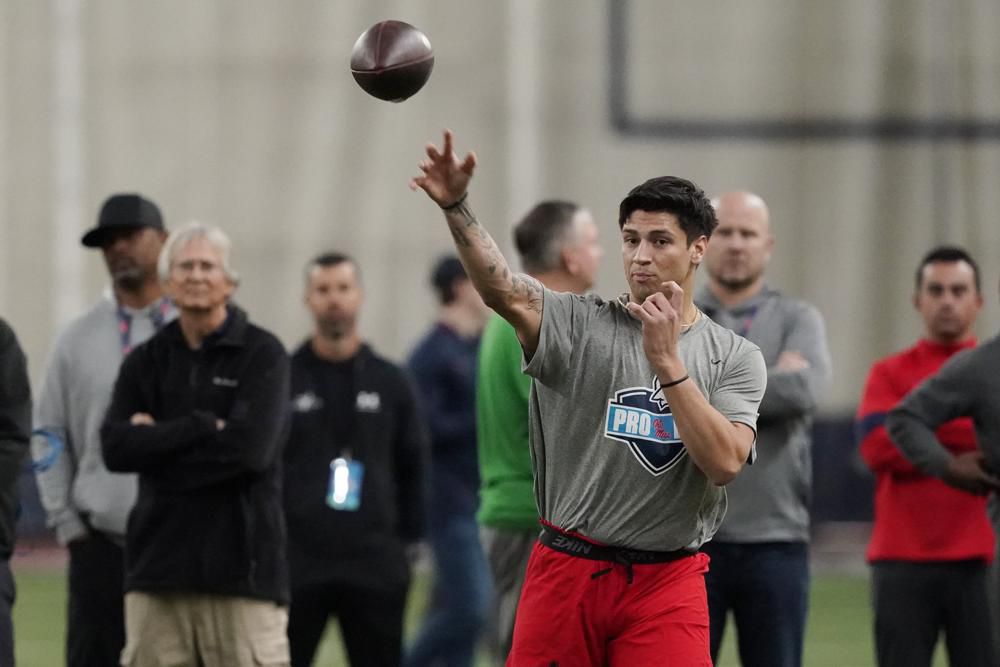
[(641, 418)]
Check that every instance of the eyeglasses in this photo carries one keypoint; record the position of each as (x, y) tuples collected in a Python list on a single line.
[(188, 266)]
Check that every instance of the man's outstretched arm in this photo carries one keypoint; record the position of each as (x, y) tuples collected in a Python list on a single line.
[(514, 296)]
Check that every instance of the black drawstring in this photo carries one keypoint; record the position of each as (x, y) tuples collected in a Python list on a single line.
[(629, 574), (628, 571)]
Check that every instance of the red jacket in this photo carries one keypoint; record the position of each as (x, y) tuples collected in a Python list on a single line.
[(917, 517)]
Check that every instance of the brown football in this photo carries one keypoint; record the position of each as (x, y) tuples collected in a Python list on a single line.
[(392, 60)]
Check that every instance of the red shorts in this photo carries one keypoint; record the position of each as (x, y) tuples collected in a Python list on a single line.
[(576, 612)]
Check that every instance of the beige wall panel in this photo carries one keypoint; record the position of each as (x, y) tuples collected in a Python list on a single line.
[(245, 114)]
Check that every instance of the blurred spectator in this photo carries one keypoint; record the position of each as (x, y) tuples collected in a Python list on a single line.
[(15, 425), (443, 365), (760, 554), (557, 243), (88, 506), (200, 412), (932, 542), (354, 479)]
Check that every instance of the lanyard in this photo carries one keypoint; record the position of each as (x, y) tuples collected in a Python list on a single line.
[(744, 326), (158, 315), (747, 322)]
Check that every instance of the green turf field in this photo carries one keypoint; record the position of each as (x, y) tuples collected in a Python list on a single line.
[(839, 632)]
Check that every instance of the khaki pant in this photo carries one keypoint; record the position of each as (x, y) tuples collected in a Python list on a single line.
[(193, 630)]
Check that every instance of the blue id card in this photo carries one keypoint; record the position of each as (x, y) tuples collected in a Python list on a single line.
[(344, 490)]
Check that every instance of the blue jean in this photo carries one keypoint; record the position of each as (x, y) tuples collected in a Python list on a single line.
[(461, 600), (766, 586)]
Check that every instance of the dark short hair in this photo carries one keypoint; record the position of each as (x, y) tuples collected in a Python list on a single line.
[(947, 254), (670, 194), (540, 235), (446, 272), (328, 259)]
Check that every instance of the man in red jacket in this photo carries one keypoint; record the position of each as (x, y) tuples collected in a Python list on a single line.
[(931, 544)]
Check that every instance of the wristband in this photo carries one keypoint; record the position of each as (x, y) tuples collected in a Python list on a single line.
[(458, 202), (674, 383)]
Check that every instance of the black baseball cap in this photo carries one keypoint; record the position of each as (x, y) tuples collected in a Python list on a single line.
[(123, 211)]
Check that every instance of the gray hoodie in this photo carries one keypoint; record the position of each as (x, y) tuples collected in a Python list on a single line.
[(769, 501), (75, 486), (968, 385)]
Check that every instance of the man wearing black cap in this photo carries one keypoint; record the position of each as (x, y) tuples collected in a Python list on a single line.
[(87, 505)]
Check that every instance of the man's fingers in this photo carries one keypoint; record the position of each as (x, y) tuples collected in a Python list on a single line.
[(446, 150), (653, 307), (674, 294), (141, 419), (789, 360), (640, 312), (992, 480), (432, 152), (658, 301), (968, 471), (661, 306), (469, 164)]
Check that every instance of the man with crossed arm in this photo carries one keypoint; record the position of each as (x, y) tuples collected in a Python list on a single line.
[(760, 555)]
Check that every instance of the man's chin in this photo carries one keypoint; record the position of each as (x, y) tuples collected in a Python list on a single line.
[(949, 332), (334, 331), (195, 307), (127, 280), (736, 283), (640, 293)]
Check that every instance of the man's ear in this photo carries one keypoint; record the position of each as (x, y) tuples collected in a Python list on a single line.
[(698, 248), (568, 260)]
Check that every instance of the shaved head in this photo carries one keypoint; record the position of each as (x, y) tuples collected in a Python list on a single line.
[(744, 205), (740, 249)]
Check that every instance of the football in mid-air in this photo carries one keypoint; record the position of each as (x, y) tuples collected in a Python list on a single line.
[(392, 60)]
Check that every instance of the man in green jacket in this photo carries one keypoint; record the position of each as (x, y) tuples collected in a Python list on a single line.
[(557, 243)]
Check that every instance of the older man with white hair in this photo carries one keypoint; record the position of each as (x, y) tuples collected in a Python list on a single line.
[(199, 412)]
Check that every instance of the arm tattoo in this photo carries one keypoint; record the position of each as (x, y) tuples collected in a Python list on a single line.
[(527, 288), (486, 265), (459, 237)]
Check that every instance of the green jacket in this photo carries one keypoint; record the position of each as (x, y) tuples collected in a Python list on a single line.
[(507, 498)]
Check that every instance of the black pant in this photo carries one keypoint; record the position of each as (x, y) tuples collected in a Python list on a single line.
[(766, 585), (6, 608), (914, 602), (95, 630), (371, 623)]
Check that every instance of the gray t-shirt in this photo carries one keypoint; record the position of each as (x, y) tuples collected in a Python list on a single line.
[(608, 461)]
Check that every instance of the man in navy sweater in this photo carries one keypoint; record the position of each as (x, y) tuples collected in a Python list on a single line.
[(444, 367)]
